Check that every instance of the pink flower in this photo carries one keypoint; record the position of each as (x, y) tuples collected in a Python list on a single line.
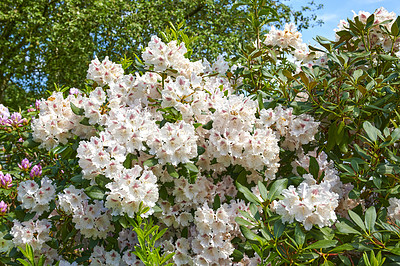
[(5, 180), (25, 165), (3, 208)]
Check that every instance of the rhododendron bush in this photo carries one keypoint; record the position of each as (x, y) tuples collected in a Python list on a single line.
[(288, 156)]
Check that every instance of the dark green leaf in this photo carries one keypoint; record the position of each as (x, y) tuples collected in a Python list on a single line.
[(279, 228), (357, 220), (76, 110), (342, 248), (277, 188), (208, 125), (200, 150), (263, 191), (94, 192), (250, 235), (217, 202), (299, 235), (30, 143), (346, 229), (191, 167), (241, 221), (150, 162), (322, 244), (314, 167), (370, 218), (248, 194)]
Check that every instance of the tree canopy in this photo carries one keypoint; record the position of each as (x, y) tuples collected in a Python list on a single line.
[(47, 42)]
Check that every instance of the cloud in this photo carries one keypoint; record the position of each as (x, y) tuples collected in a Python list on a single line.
[(328, 17), (370, 1)]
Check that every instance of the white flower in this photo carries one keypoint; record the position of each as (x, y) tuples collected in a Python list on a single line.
[(105, 72)]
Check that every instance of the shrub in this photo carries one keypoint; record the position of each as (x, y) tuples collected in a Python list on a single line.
[(289, 158)]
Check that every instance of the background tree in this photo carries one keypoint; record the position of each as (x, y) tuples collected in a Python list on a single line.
[(47, 42)]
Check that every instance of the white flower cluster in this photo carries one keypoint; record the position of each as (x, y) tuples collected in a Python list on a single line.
[(129, 188), (188, 197), (166, 56), (213, 244), (4, 114), (35, 198), (104, 72), (394, 208), (5, 245), (100, 257), (308, 204), (209, 237), (57, 122), (34, 233), (313, 202), (93, 220), (93, 106), (290, 38), (330, 179), (66, 263), (297, 130), (212, 128), (174, 143), (377, 37), (71, 200)]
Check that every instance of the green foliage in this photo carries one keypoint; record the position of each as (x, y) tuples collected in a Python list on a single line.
[(52, 42), (28, 253), (355, 95), (148, 234)]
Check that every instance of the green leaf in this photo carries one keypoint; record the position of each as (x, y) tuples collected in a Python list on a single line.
[(241, 221), (76, 110), (191, 167), (128, 161), (85, 121), (208, 125), (23, 262), (370, 218), (237, 255), (263, 191), (331, 137), (171, 171), (395, 135), (299, 235), (357, 220), (8, 237), (346, 261), (341, 248), (279, 228), (395, 251), (102, 181), (248, 194), (200, 150), (94, 192), (41, 261), (248, 234), (217, 202), (150, 162), (370, 21), (372, 132), (344, 228), (322, 244), (196, 125), (395, 29), (314, 167), (277, 188), (30, 143)]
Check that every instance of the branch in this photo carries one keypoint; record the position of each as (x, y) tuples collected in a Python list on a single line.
[(194, 12)]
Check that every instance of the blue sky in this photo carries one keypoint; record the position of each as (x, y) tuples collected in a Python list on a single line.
[(335, 10)]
